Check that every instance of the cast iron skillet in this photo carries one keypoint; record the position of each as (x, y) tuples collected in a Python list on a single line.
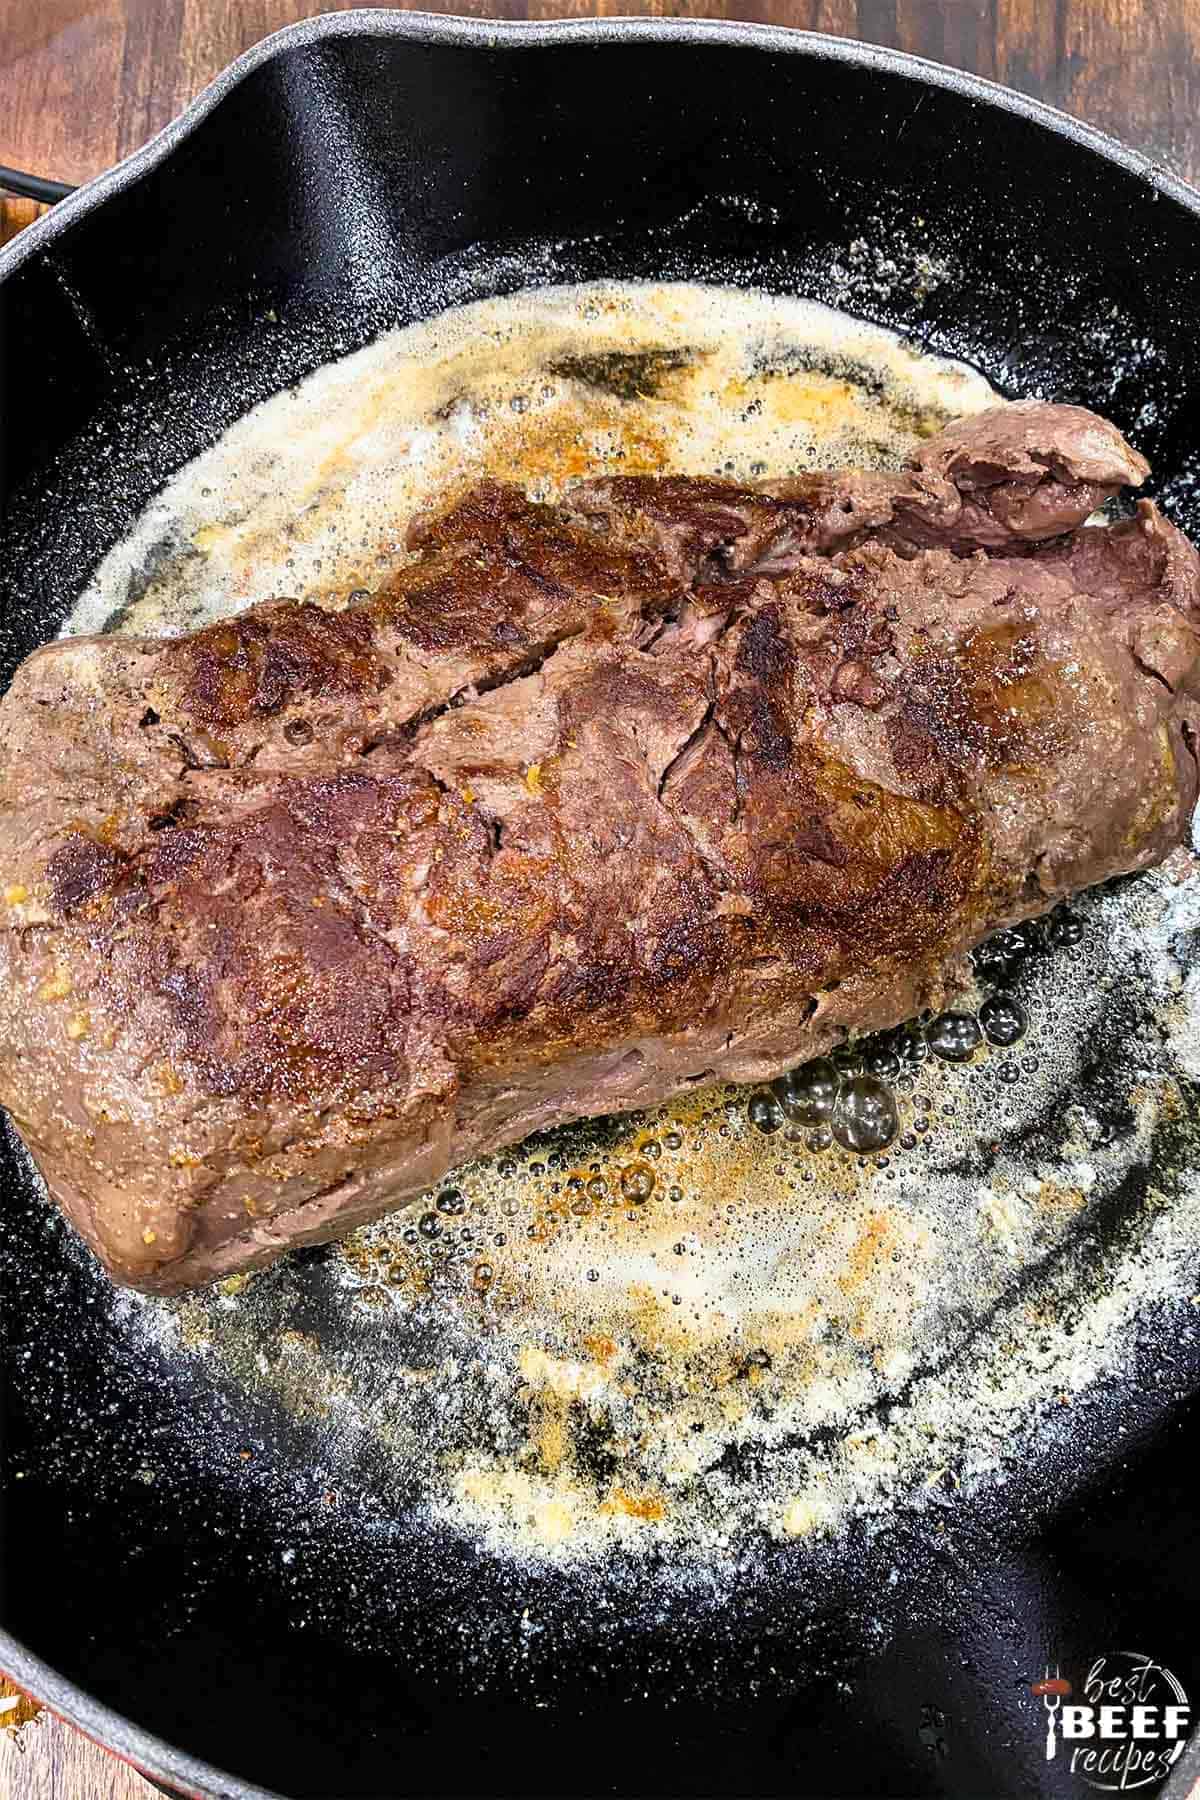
[(350, 174)]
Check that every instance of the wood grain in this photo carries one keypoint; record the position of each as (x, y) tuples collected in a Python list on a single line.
[(48, 1760), (15, 215), (84, 82)]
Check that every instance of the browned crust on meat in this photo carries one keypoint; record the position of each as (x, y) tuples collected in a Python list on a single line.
[(255, 664), (546, 827)]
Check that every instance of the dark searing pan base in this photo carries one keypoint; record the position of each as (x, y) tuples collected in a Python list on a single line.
[(576, 1351)]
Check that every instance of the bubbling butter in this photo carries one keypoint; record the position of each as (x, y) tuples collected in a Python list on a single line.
[(310, 494), (706, 1324)]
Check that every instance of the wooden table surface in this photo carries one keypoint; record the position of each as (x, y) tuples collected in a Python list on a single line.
[(84, 82)]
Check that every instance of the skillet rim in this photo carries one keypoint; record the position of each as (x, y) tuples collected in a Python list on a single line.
[(143, 1750), (510, 34)]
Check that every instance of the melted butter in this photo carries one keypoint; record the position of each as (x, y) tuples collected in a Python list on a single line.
[(311, 493), (573, 1350)]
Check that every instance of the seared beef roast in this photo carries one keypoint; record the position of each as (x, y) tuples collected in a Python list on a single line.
[(677, 780)]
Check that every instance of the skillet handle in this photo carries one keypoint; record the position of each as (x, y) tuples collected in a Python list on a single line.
[(34, 187)]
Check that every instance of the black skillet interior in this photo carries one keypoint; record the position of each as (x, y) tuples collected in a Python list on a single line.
[(359, 176)]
